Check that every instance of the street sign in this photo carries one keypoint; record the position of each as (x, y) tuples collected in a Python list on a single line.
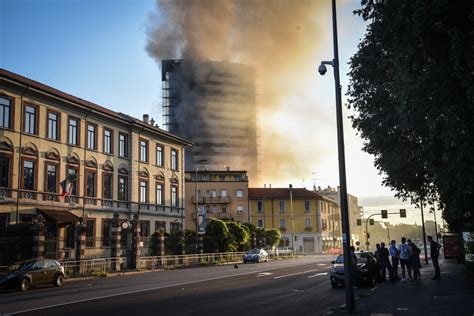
[(371, 221), (359, 222), (403, 212), (384, 214)]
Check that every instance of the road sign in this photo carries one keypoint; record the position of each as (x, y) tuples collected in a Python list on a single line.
[(403, 212), (384, 214), (371, 221)]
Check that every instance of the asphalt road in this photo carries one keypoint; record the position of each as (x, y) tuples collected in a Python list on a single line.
[(284, 287)]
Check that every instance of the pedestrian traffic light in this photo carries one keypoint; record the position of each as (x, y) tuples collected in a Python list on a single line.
[(371, 221), (384, 214), (403, 212), (359, 222)]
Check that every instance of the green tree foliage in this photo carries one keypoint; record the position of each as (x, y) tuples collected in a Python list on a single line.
[(240, 236), (412, 89), (272, 236), (217, 237)]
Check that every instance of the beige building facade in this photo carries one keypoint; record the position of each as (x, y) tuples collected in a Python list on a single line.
[(73, 162), (219, 194)]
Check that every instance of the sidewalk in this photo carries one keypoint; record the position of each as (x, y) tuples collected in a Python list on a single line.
[(452, 295)]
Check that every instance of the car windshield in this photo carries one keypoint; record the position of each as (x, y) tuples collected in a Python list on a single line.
[(20, 266), (257, 251), (340, 259)]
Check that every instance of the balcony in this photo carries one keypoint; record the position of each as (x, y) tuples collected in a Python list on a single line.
[(211, 200)]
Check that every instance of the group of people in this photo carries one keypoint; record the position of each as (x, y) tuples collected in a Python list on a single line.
[(407, 254)]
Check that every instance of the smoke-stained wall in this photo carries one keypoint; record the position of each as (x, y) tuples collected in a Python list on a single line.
[(279, 38), (212, 104)]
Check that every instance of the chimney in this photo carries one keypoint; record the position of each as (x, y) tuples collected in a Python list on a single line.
[(152, 121), (146, 118), (264, 185)]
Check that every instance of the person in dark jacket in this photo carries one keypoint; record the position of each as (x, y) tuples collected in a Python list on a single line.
[(394, 253), (385, 263), (434, 252), (415, 261)]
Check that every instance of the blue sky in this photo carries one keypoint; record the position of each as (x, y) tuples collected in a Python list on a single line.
[(95, 50)]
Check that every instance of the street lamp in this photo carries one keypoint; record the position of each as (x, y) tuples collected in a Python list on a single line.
[(196, 165), (291, 218), (350, 303)]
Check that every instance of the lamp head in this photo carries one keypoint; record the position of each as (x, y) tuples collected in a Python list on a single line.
[(322, 69)]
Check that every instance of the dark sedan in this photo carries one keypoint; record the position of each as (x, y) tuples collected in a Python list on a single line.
[(24, 274), (366, 269)]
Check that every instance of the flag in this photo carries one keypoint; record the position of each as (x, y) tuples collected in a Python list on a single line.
[(66, 188)]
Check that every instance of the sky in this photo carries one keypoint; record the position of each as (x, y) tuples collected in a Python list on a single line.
[(95, 50)]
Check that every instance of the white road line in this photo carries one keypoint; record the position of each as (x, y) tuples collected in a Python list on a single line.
[(297, 273), (322, 264), (262, 274), (317, 274)]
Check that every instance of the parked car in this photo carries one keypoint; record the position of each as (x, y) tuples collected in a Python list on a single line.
[(24, 274), (256, 255), (366, 269)]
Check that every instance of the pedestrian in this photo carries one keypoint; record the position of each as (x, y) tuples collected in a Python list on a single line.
[(434, 252), (404, 251), (395, 254), (415, 261), (385, 263), (378, 277)]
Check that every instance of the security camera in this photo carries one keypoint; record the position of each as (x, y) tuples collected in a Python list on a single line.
[(322, 69)]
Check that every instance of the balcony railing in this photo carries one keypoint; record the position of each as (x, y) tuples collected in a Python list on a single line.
[(211, 200)]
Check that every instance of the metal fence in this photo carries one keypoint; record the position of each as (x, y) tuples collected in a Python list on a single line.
[(95, 267), (178, 261)]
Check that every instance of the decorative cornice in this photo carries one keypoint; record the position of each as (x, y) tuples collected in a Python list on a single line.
[(52, 155), (73, 160), (29, 151), (123, 170), (108, 166)]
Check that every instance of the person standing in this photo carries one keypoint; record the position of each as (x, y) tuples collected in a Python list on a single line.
[(405, 255), (378, 277), (434, 252), (394, 253), (385, 263), (415, 261)]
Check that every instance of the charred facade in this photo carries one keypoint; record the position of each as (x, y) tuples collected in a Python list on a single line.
[(213, 104)]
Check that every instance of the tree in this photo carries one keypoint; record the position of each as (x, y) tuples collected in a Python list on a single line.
[(217, 237), (272, 236), (412, 88), (240, 236)]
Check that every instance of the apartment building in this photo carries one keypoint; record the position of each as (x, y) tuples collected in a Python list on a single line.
[(220, 194), (80, 165), (296, 212), (331, 224)]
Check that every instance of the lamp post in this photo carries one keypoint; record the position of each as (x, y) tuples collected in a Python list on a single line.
[(350, 303), (196, 165), (291, 218)]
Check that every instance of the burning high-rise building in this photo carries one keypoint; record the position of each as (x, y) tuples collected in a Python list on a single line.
[(213, 104)]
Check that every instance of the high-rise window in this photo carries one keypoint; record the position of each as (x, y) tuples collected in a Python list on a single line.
[(51, 178), (307, 223), (259, 206), (5, 112), (123, 188), (240, 209), (91, 136), (143, 192), (143, 150), (73, 131), (159, 194), (53, 125), (107, 186), (108, 141), (4, 172), (260, 223), (106, 233), (159, 155), (239, 193), (174, 196), (123, 145), (30, 120), (224, 193), (174, 159), (91, 183), (29, 175)]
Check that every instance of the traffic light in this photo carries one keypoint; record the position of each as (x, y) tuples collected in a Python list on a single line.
[(371, 221), (384, 214), (403, 212), (359, 222)]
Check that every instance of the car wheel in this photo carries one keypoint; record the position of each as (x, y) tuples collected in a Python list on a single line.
[(58, 281), (24, 285), (334, 285)]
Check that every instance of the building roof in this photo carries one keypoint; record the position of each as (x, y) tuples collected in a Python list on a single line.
[(281, 193), (88, 105)]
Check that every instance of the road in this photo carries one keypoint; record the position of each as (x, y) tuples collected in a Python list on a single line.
[(281, 287)]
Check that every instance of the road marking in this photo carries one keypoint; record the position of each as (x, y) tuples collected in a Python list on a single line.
[(297, 273), (322, 264), (140, 291), (317, 274), (262, 274), (402, 309)]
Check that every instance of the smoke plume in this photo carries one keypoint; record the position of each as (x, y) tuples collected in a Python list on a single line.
[(277, 37)]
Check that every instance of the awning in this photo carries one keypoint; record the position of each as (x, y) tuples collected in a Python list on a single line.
[(59, 216)]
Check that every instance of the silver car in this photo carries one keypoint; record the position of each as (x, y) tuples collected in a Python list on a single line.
[(256, 255)]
